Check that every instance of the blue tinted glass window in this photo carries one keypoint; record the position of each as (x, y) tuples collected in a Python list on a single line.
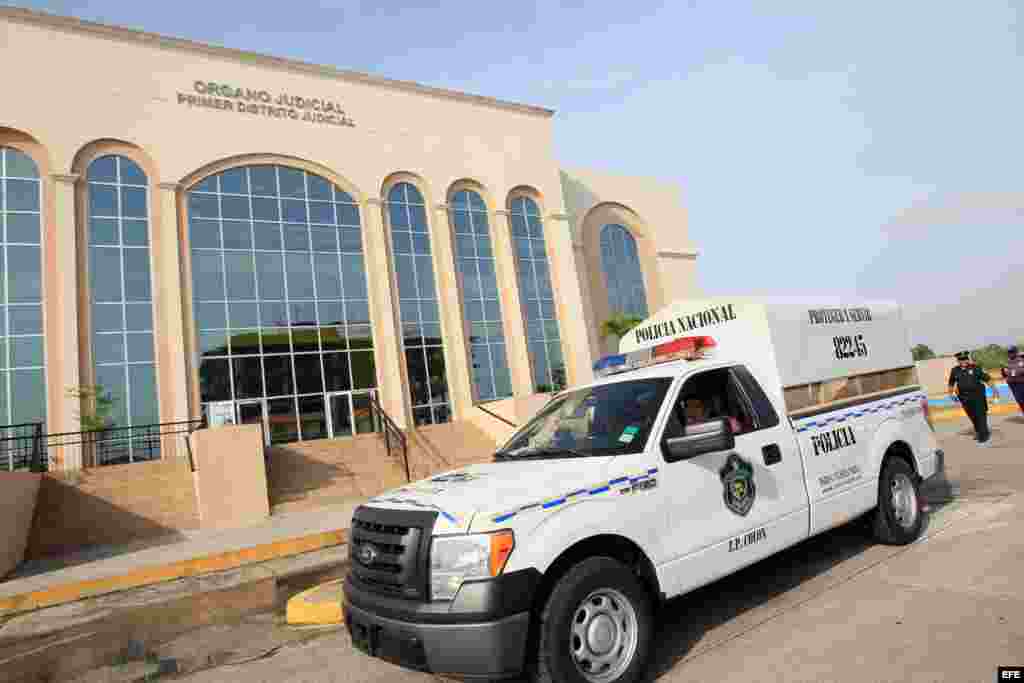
[(474, 263), (22, 372), (424, 356), (536, 296), (620, 263), (271, 297), (121, 297)]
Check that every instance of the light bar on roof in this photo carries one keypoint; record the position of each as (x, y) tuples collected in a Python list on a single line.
[(684, 348)]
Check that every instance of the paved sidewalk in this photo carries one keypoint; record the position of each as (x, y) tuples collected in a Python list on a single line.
[(283, 535)]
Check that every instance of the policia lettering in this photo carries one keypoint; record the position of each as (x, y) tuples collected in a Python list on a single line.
[(834, 440), (968, 381)]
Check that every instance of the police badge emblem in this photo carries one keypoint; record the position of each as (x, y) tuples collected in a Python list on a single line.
[(738, 484)]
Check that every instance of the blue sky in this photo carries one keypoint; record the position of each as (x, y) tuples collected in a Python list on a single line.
[(869, 148)]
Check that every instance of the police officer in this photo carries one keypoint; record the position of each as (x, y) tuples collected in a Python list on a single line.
[(1013, 373), (968, 381)]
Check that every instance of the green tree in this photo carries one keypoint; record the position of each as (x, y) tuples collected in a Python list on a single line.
[(922, 352), (96, 407), (991, 357), (618, 325)]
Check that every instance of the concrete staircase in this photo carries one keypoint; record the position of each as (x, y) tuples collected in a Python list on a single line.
[(310, 474)]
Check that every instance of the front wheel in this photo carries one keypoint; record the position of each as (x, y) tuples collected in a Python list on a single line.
[(596, 626), (898, 519)]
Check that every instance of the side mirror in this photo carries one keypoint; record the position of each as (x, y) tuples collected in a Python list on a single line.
[(700, 438)]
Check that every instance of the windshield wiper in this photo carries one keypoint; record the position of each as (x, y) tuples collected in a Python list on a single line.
[(540, 452)]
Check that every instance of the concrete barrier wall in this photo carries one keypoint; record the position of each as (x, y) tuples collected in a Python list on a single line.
[(18, 491), (112, 505), (230, 477)]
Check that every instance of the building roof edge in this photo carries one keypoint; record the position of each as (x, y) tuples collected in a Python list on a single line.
[(35, 17)]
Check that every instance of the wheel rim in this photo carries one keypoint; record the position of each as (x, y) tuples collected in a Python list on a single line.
[(603, 635), (904, 501)]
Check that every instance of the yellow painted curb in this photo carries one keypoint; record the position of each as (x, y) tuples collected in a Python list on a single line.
[(78, 590), (319, 606)]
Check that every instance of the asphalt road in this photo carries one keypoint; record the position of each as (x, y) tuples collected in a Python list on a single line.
[(834, 608)]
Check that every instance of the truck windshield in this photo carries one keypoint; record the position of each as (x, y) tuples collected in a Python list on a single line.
[(609, 419)]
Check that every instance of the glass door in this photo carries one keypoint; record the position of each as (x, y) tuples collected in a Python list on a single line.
[(340, 413), (364, 417), (352, 413), (252, 413)]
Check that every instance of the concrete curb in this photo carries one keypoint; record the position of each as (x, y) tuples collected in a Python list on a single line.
[(217, 562)]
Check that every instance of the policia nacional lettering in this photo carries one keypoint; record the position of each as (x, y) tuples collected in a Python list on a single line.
[(843, 437), (685, 323)]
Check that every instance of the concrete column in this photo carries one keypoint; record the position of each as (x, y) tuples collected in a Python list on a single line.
[(172, 377), (511, 307), (568, 300), (387, 342), (62, 306), (456, 350)]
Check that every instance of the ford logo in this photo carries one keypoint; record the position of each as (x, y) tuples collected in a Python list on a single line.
[(366, 554)]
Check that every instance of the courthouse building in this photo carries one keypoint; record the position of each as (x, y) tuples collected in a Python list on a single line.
[(206, 231)]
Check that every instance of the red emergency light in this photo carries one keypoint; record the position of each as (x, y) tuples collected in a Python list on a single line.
[(684, 347)]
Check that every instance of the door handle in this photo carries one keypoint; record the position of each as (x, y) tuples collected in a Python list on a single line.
[(772, 454)]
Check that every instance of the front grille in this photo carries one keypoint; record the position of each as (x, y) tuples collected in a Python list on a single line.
[(400, 542)]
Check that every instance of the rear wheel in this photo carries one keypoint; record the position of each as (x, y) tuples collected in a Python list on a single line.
[(596, 626), (898, 519)]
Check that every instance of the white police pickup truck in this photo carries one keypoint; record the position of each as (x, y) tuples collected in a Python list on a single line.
[(723, 432)]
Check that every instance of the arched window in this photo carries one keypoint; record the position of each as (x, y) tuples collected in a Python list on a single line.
[(417, 298), (620, 262), (474, 258), (536, 296), (280, 302), (121, 297), (22, 373)]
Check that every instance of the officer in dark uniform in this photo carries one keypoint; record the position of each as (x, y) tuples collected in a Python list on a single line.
[(967, 382), (1013, 373)]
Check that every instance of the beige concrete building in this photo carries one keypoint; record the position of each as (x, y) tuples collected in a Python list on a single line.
[(205, 231)]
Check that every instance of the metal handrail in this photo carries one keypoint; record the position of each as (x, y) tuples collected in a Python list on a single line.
[(497, 417), (391, 432), (12, 444), (140, 437)]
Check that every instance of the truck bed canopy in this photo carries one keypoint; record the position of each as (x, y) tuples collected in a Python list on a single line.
[(804, 341)]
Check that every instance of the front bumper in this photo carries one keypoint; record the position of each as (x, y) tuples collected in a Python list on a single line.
[(482, 633), (488, 650)]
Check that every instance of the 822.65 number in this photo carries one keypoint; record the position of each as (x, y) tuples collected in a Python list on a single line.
[(848, 346)]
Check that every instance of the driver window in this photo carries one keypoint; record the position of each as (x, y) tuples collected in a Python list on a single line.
[(711, 395)]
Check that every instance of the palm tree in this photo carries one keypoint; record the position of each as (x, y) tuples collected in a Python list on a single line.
[(618, 325)]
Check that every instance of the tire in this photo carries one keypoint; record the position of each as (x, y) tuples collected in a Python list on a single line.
[(898, 519), (600, 596)]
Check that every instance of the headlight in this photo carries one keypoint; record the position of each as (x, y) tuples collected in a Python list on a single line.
[(455, 559)]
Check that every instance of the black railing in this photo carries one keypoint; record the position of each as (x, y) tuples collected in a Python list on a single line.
[(393, 435), (497, 417), (22, 446), (120, 445)]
